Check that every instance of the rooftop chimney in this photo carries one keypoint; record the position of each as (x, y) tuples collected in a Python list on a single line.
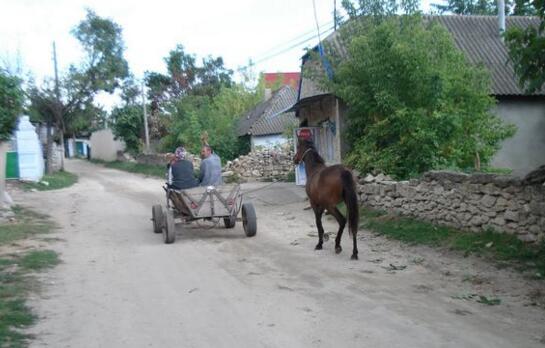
[(268, 94)]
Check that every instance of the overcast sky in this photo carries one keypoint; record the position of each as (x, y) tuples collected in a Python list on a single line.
[(237, 30)]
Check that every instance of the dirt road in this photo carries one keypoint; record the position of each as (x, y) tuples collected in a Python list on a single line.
[(120, 286)]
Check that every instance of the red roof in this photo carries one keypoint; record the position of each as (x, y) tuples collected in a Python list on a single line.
[(287, 78)]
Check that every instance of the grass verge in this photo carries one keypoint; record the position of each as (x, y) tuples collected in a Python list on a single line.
[(146, 169), (490, 244), (16, 280), (25, 223), (55, 181)]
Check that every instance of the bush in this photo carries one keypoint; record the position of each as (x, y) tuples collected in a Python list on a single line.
[(415, 102), (11, 103)]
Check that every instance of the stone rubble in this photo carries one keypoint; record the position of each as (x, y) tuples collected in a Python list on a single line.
[(261, 165)]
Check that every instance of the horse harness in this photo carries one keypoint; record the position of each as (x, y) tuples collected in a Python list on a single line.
[(304, 154)]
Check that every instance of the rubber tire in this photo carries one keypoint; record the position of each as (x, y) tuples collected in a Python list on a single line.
[(230, 222), (249, 219), (169, 229), (157, 217)]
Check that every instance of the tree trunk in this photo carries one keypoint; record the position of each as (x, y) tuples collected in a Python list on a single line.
[(62, 150), (49, 150), (477, 161)]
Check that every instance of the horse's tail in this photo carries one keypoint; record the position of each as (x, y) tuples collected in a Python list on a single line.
[(351, 201)]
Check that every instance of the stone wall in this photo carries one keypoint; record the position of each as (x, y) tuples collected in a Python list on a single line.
[(261, 165), (469, 202)]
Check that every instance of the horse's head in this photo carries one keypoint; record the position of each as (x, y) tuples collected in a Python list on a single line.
[(303, 147)]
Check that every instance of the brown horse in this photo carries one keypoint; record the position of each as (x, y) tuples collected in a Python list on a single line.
[(326, 187)]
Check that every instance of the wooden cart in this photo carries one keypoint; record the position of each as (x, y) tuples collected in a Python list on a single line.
[(210, 204)]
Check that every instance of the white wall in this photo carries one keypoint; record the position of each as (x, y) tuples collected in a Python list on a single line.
[(268, 141), (525, 151), (104, 146)]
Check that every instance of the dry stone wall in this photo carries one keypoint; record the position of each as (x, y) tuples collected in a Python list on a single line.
[(261, 165), (469, 202)]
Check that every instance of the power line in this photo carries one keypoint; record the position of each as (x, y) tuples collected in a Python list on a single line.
[(285, 50), (297, 38)]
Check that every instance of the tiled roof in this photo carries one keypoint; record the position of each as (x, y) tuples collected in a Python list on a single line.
[(477, 37), (269, 117), (286, 78)]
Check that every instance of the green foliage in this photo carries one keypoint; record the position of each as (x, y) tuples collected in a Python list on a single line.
[(216, 115), (128, 124), (104, 65), (11, 103), (485, 7), (58, 180), (379, 8), (415, 103), (184, 77), (103, 69), (527, 51)]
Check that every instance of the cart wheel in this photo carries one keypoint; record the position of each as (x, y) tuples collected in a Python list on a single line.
[(230, 221), (249, 220), (157, 218), (169, 229)]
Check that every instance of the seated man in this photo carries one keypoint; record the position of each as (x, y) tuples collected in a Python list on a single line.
[(210, 174), (180, 171)]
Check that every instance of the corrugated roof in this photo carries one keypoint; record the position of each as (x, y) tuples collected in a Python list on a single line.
[(269, 117), (477, 37)]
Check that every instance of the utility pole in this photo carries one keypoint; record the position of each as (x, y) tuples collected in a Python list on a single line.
[(146, 131), (58, 107), (335, 15)]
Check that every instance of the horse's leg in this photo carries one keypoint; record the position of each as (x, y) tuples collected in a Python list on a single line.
[(355, 250), (341, 220), (318, 214)]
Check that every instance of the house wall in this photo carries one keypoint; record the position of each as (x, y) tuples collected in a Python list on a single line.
[(525, 151), (104, 146), (321, 111), (268, 141)]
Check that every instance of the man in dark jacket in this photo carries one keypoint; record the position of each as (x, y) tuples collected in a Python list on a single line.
[(180, 171)]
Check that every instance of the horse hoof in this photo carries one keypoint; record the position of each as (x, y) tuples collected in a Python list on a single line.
[(354, 257), (338, 250), (318, 247)]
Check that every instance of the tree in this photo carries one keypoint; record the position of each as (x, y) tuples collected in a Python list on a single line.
[(102, 69), (128, 125), (527, 51), (217, 115), (11, 105), (415, 103)]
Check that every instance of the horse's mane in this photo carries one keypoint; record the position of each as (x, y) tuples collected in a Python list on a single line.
[(308, 144)]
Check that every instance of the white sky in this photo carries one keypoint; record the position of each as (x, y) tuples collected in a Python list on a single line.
[(237, 30)]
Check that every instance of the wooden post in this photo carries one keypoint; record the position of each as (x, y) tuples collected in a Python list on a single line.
[(58, 110), (146, 130)]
